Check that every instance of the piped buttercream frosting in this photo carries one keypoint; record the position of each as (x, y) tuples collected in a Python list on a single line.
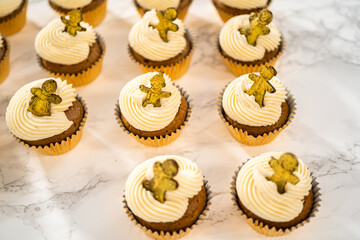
[(143, 204)]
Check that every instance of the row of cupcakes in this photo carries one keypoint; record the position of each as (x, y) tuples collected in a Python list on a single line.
[(70, 49), (166, 196), (48, 116), (13, 12)]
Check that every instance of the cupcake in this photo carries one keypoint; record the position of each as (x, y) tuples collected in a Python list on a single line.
[(46, 115), (159, 41), (248, 41), (276, 193), (4, 58), (166, 196), (231, 8), (94, 11), (70, 49), (152, 109), (181, 6), (256, 107), (12, 16)]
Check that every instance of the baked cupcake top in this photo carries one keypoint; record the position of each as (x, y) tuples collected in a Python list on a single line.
[(244, 4), (258, 192), (158, 4), (236, 45), (22, 112), (149, 117), (145, 39), (8, 6), (183, 184), (54, 44), (241, 105), (71, 4)]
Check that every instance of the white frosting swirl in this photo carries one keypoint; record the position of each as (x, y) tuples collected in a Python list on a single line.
[(57, 46), (158, 4), (26, 125), (148, 118), (242, 108), (236, 46), (244, 4), (146, 41), (8, 6), (261, 197), (143, 204), (71, 4)]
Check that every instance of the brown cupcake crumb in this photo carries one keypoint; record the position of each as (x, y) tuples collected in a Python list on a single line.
[(94, 54), (174, 60), (91, 6), (75, 114), (267, 57), (195, 208), (175, 124), (308, 203), (237, 11), (14, 13), (256, 131)]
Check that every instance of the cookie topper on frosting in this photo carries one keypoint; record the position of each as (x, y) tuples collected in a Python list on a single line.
[(155, 93), (284, 168), (257, 26), (166, 22), (261, 84), (72, 26), (40, 103), (163, 179)]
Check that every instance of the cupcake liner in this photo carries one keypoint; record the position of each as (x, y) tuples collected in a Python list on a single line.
[(264, 229), (245, 138), (174, 70), (157, 141), (181, 12), (239, 69), (5, 63), (84, 77), (64, 146), (15, 23), (93, 17), (176, 234), (225, 15)]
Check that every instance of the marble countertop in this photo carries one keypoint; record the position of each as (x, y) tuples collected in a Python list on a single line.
[(78, 195)]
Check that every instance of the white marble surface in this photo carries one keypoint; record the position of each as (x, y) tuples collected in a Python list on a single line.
[(78, 195)]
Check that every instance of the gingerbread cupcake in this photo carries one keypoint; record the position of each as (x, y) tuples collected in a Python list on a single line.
[(70, 49), (231, 8), (166, 196), (94, 11), (248, 41), (152, 109), (181, 6), (276, 193), (46, 115), (12, 16), (256, 107), (160, 42), (4, 58)]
